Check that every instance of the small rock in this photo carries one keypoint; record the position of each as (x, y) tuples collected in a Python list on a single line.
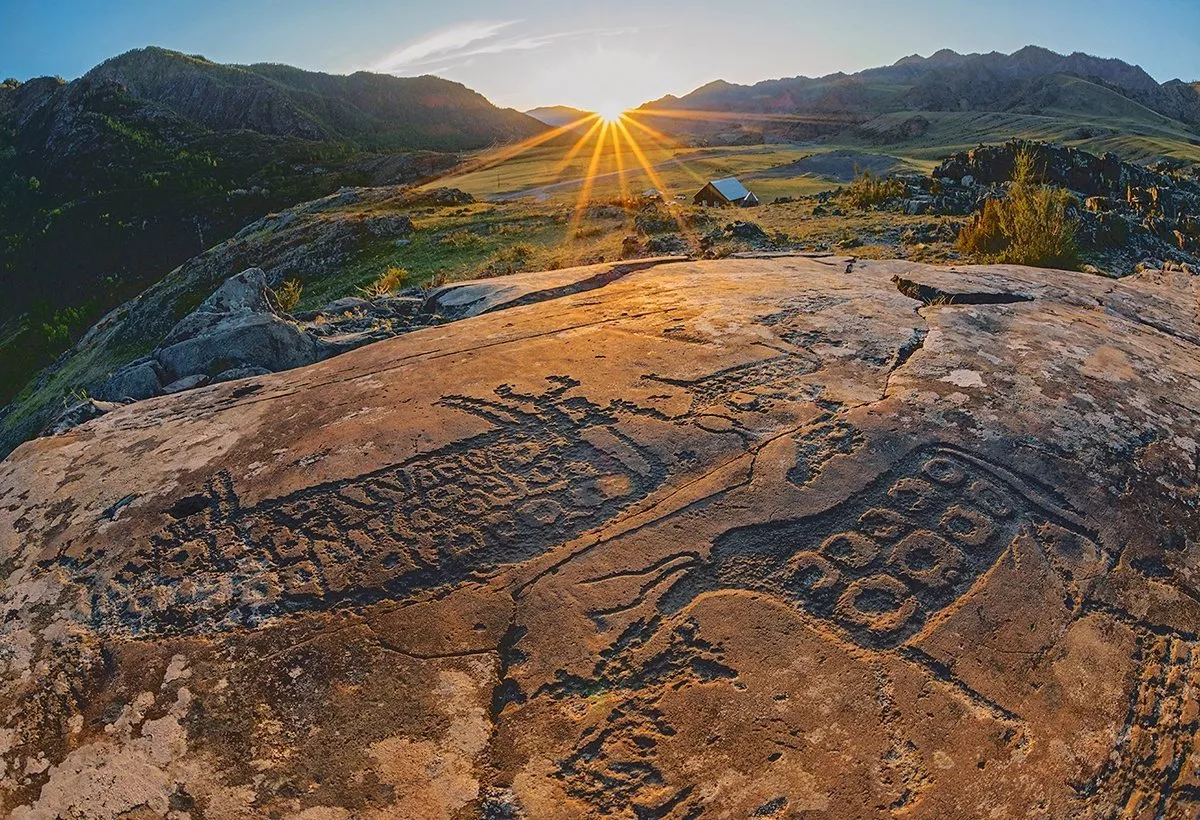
[(240, 373), (79, 413), (186, 383), (345, 304)]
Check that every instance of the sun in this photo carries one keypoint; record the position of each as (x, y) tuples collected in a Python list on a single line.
[(610, 113)]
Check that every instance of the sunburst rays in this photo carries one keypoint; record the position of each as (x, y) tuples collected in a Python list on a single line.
[(610, 146)]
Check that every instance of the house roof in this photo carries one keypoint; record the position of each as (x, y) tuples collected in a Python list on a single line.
[(730, 188)]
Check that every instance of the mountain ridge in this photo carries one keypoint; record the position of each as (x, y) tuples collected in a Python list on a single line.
[(279, 99), (944, 81)]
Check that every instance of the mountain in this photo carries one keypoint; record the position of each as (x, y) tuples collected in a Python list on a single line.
[(371, 110), (1032, 81), (110, 181), (558, 115)]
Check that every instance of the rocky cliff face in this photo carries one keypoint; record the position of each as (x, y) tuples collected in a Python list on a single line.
[(747, 537)]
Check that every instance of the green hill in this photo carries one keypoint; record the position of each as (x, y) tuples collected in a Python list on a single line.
[(110, 181)]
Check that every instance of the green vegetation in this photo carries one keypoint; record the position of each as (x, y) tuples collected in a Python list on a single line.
[(868, 190), (1030, 226)]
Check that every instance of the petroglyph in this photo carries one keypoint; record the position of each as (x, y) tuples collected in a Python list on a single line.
[(552, 467), (880, 565), (752, 387)]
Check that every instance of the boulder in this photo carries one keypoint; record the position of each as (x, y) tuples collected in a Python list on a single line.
[(748, 231), (667, 245), (138, 380), (732, 538), (345, 304), (238, 326), (244, 372)]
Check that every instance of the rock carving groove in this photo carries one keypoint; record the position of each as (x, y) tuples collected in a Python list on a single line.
[(880, 565), (752, 387), (552, 467)]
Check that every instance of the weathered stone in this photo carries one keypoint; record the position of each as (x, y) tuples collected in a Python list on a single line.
[(139, 380), (746, 537), (186, 383), (346, 303), (238, 326), (78, 413), (240, 373)]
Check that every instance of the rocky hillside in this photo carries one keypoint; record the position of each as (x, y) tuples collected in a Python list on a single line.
[(110, 181), (371, 110), (731, 538), (1030, 81)]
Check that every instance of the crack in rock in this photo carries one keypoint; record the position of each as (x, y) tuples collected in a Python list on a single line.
[(929, 295)]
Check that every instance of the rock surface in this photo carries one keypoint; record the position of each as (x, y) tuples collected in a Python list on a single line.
[(747, 537)]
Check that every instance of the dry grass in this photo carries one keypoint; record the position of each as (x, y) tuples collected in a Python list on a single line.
[(461, 238), (289, 294), (385, 284), (1031, 226)]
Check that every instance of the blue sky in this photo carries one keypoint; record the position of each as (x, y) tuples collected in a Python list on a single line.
[(592, 55)]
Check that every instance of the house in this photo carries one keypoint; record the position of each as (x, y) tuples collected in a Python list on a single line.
[(727, 191)]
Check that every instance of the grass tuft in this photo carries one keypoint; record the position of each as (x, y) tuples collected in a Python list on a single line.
[(385, 284)]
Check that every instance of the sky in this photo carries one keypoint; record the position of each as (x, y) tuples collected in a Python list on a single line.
[(603, 56)]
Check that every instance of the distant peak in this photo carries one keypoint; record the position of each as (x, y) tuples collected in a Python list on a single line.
[(939, 56), (1035, 51)]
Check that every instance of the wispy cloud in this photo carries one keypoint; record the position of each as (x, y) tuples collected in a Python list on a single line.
[(472, 39), (447, 43)]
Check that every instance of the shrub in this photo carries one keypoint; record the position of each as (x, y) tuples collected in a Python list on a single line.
[(385, 284), (1032, 225), (868, 190), (288, 295)]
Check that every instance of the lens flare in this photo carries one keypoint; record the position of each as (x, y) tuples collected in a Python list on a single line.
[(610, 113)]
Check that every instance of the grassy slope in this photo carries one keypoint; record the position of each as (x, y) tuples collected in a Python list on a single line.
[(1111, 123)]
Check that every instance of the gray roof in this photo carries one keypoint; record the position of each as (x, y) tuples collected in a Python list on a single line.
[(730, 188)]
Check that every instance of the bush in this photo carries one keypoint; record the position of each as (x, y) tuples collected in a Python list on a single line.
[(385, 284), (1030, 226), (868, 190), (288, 295)]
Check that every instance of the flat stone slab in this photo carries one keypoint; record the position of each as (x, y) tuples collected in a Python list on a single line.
[(465, 299), (732, 538)]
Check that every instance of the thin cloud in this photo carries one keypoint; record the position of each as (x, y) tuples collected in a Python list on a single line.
[(535, 41), (459, 45), (447, 43)]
